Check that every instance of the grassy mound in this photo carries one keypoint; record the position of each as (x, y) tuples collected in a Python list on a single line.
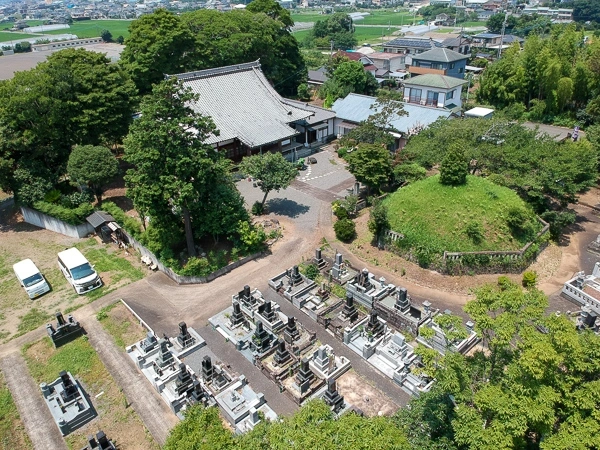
[(474, 217)]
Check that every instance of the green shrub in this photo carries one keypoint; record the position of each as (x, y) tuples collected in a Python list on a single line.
[(529, 279), (196, 267), (73, 216), (310, 271), (475, 231), (341, 213), (504, 282), (75, 199), (342, 152), (519, 222), (52, 196), (252, 238), (258, 209), (345, 230)]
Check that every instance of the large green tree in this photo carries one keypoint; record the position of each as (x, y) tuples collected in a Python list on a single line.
[(313, 426), (272, 171), (176, 177), (75, 97), (93, 166), (348, 77), (370, 164), (158, 44)]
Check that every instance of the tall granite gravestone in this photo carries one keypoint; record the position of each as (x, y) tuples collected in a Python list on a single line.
[(184, 337), (295, 276), (318, 260), (207, 369), (282, 355), (165, 357), (237, 317), (332, 396), (266, 311), (184, 380), (350, 312), (336, 270), (402, 303), (261, 337), (374, 326), (149, 343), (291, 333), (304, 376), (99, 442)]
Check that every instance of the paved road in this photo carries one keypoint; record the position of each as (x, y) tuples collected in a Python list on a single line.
[(151, 408), (38, 421)]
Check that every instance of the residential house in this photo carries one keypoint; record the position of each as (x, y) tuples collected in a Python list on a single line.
[(510, 39), (484, 15), (317, 77), (411, 45), (435, 90), (487, 40), (444, 19), (562, 15), (441, 61), (250, 115), (459, 44), (390, 62), (354, 109), (315, 129)]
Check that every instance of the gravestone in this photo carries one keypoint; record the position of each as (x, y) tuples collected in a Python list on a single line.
[(261, 337), (291, 333), (374, 326), (165, 357), (295, 276), (319, 261), (350, 312), (402, 303), (246, 296), (332, 396), (362, 279), (321, 359), (266, 311), (337, 269), (282, 355), (197, 394), (184, 380), (237, 317), (304, 376), (65, 331), (207, 369), (99, 442), (149, 343), (184, 337)]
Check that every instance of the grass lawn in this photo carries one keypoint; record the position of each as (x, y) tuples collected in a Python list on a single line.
[(435, 216), (7, 36), (471, 24), (19, 314), (118, 321), (93, 28), (12, 431), (371, 35), (115, 417), (374, 17)]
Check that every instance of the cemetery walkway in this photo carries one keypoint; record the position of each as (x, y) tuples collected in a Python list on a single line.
[(155, 414), (36, 417)]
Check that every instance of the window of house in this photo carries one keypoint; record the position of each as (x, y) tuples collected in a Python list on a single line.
[(415, 95), (432, 98), (452, 65), (460, 70), (450, 95)]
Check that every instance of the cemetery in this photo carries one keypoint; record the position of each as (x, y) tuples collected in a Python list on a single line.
[(182, 371), (65, 330)]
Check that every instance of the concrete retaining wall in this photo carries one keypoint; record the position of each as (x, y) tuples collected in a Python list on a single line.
[(53, 224)]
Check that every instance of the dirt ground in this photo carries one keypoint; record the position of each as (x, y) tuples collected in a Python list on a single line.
[(115, 416), (546, 265), (358, 392), (18, 241)]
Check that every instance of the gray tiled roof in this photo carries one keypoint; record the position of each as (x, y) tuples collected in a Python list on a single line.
[(320, 114), (356, 108), (408, 42), (440, 55), (242, 104), (435, 80)]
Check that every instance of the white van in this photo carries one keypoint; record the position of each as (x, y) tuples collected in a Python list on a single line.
[(31, 278), (78, 271)]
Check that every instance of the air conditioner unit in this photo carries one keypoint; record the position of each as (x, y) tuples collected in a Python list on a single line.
[(423, 102)]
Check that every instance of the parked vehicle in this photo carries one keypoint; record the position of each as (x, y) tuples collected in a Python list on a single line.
[(78, 271), (31, 278)]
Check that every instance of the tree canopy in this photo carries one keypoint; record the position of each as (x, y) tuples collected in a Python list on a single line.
[(272, 171), (313, 426), (175, 175), (75, 97), (163, 43), (336, 28), (93, 166), (348, 76), (370, 164)]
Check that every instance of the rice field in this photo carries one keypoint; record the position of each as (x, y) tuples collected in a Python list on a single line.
[(93, 28)]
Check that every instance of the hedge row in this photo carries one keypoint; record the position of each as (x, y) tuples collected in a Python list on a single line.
[(74, 216)]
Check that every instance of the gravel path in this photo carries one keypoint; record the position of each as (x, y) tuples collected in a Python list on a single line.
[(38, 421), (153, 411)]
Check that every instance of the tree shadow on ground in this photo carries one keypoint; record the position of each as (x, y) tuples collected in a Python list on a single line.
[(286, 207), (577, 227)]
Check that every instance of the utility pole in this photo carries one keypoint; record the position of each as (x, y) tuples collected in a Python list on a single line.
[(502, 38)]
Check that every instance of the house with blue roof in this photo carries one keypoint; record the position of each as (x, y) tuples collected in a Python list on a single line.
[(438, 91), (442, 61), (354, 109)]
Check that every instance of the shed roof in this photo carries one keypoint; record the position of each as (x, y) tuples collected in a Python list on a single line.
[(320, 114), (435, 80), (415, 42), (98, 218), (242, 104), (440, 55), (357, 108)]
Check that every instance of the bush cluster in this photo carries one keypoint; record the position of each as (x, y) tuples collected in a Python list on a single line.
[(73, 216)]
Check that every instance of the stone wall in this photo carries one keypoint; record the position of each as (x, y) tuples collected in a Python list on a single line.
[(42, 220), (182, 279)]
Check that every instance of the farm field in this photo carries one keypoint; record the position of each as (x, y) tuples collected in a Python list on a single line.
[(375, 18), (371, 35), (9, 25), (93, 28), (7, 36)]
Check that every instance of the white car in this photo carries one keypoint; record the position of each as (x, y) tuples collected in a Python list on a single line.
[(31, 278), (78, 271)]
